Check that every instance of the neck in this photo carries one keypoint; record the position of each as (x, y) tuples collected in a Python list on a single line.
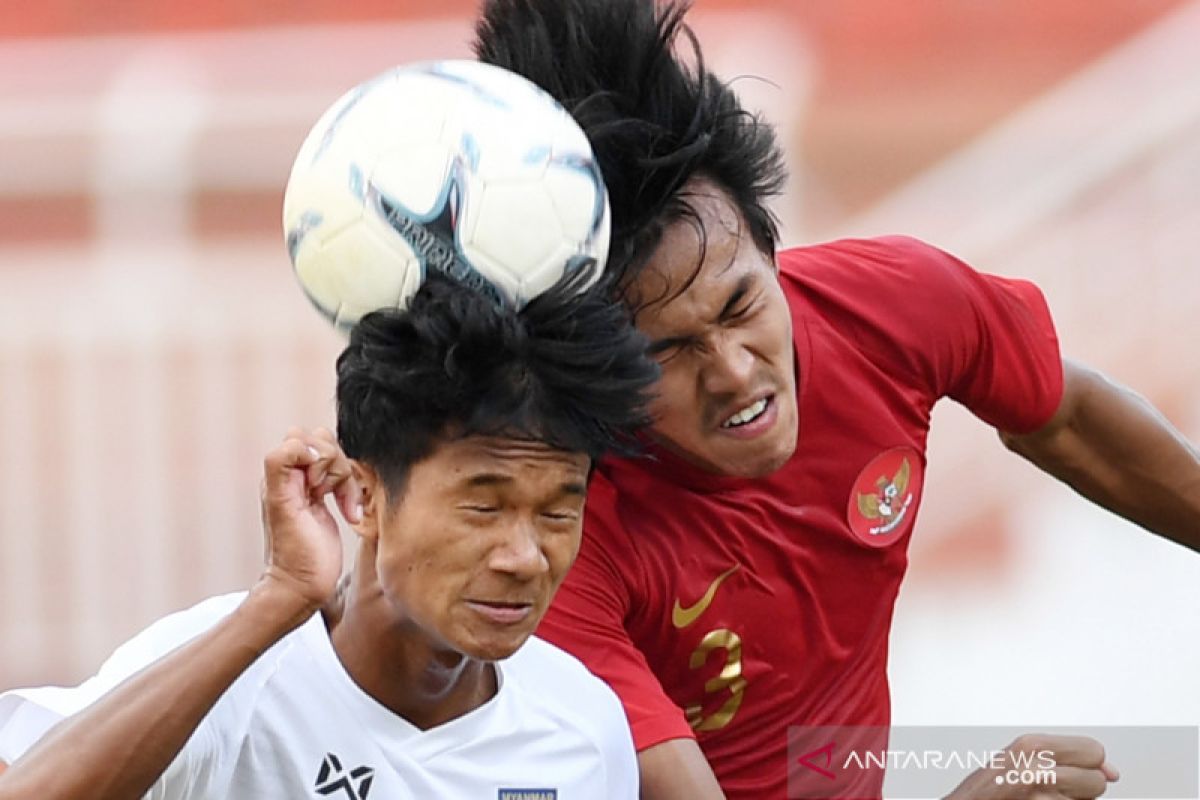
[(397, 663)]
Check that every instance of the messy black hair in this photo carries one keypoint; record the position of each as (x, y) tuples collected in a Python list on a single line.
[(653, 121), (568, 370)]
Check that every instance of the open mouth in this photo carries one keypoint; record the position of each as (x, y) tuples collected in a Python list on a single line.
[(748, 414)]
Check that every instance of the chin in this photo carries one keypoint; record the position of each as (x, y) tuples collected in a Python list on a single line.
[(494, 648), (762, 467), (768, 458), (770, 467)]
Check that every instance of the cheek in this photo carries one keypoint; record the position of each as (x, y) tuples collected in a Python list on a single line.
[(674, 393), (778, 328), (560, 551), (414, 572), (401, 572)]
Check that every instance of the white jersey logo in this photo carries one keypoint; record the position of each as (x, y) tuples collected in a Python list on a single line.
[(333, 780)]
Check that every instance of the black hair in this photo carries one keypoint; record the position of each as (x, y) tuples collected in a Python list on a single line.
[(653, 121), (568, 370)]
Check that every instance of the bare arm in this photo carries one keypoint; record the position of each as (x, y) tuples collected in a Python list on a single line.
[(1114, 448), (119, 746), (677, 770)]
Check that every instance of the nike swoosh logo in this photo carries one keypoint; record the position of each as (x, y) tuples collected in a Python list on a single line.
[(682, 617)]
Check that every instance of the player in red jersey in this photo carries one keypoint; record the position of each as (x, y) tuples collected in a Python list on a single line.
[(742, 579)]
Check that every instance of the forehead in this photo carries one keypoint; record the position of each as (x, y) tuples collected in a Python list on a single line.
[(457, 461), (700, 258)]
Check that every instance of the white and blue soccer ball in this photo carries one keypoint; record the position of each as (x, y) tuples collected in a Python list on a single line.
[(455, 167)]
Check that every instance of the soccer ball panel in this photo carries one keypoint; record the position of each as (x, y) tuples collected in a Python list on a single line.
[(510, 229), (574, 199), (545, 275), (375, 270), (414, 177), (443, 166)]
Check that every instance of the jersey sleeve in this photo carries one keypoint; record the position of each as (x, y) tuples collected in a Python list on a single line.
[(985, 341), (587, 619), (26, 715)]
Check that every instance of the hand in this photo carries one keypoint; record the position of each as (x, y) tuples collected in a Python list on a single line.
[(1080, 770), (303, 546)]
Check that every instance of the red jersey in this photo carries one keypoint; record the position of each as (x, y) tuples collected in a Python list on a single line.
[(729, 609)]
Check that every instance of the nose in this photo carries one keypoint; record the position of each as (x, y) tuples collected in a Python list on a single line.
[(729, 368), (518, 552)]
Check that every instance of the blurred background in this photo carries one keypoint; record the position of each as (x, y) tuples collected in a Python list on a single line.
[(153, 344)]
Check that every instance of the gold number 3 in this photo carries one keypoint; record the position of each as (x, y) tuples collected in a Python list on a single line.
[(729, 678)]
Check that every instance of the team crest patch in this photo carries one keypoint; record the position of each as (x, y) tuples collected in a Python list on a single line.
[(528, 794), (884, 498)]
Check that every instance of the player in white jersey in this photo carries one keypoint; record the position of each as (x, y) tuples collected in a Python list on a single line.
[(466, 434)]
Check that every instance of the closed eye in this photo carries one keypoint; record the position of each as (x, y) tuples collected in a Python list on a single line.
[(742, 310), (664, 349), (739, 313)]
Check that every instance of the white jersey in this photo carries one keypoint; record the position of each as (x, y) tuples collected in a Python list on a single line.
[(296, 726)]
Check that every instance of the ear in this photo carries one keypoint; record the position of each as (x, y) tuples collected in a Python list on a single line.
[(373, 499)]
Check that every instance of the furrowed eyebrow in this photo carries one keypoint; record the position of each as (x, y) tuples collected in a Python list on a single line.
[(573, 488), (743, 287), (496, 479), (671, 342), (487, 479)]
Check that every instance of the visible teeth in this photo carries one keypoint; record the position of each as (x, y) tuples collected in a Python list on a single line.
[(747, 414)]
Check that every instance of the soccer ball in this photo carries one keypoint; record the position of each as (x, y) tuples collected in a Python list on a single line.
[(454, 167)]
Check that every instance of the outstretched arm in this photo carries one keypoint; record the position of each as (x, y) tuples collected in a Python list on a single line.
[(1113, 447), (119, 746)]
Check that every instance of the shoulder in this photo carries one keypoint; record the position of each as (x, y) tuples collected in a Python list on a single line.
[(851, 263), (887, 294), (26, 714), (155, 641), (170, 632)]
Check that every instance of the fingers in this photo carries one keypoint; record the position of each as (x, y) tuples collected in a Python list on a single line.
[(1079, 751), (328, 466), (312, 464), (1079, 782), (289, 460), (348, 496), (1081, 769)]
